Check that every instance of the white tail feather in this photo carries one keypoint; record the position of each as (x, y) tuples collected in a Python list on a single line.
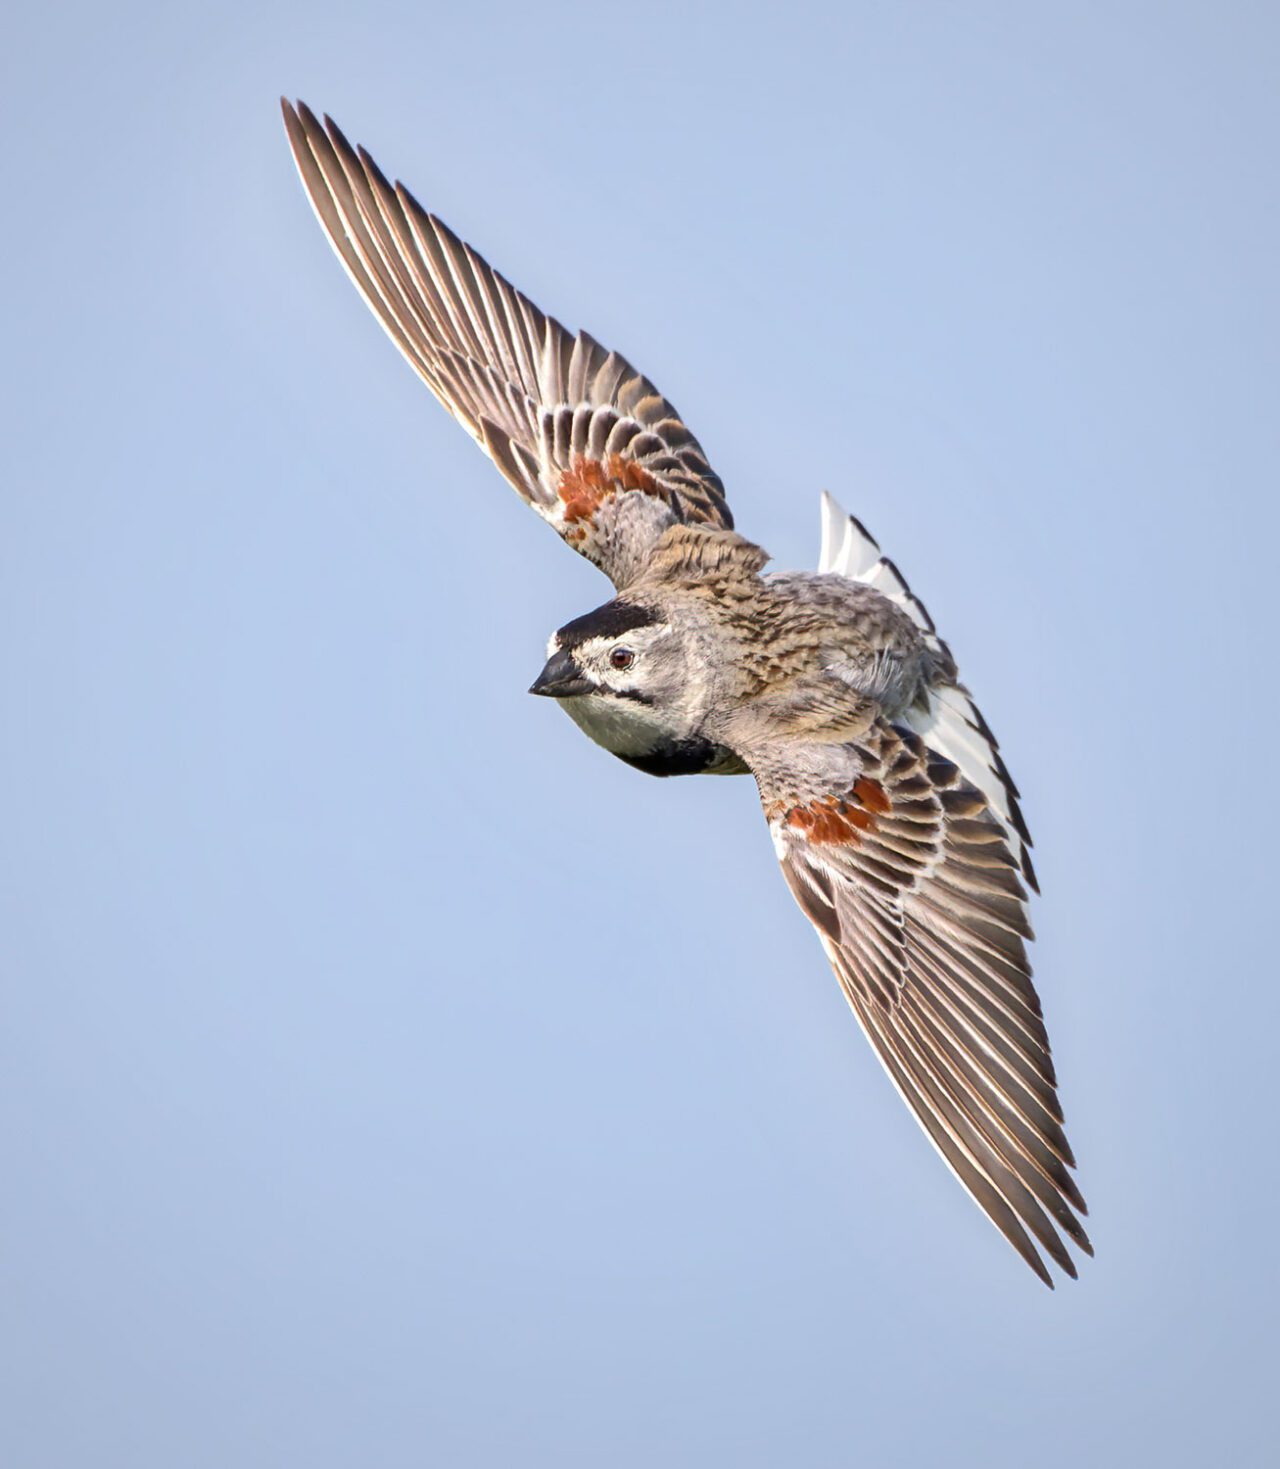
[(951, 725)]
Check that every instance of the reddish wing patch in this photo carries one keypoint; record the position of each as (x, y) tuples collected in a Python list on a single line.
[(872, 795), (587, 483), (840, 820)]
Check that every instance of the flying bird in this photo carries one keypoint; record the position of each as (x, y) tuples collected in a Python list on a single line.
[(894, 819)]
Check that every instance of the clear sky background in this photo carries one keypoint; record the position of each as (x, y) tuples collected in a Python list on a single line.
[(388, 1076)]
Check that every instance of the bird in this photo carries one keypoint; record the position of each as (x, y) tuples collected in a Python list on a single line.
[(894, 818)]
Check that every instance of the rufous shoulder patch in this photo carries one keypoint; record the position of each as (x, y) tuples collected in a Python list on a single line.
[(872, 794), (840, 820), (587, 483)]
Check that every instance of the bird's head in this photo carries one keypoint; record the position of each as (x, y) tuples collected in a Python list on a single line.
[(620, 651), (624, 675)]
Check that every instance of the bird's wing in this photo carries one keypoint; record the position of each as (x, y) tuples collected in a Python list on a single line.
[(949, 720), (585, 439), (908, 877)]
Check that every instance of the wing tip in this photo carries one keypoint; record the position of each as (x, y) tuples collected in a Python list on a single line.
[(294, 128)]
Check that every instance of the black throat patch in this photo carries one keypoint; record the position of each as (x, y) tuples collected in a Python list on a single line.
[(676, 757)]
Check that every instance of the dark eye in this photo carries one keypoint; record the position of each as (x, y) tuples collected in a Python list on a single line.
[(621, 658)]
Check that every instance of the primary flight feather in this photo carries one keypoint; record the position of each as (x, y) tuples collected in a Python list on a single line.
[(894, 818)]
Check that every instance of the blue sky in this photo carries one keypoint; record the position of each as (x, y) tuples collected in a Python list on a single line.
[(390, 1077)]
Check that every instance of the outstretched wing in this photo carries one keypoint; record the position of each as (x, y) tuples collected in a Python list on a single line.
[(909, 879), (585, 439)]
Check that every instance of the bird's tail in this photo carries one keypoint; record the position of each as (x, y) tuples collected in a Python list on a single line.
[(952, 724)]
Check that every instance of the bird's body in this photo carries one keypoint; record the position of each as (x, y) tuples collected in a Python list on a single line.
[(753, 658), (893, 816)]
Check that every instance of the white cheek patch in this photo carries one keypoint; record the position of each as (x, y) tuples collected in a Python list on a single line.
[(594, 653)]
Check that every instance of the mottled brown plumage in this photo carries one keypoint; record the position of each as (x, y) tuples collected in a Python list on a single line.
[(893, 815)]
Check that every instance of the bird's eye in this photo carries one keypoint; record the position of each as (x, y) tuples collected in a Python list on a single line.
[(621, 658)]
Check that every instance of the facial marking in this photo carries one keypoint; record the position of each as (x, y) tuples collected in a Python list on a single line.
[(616, 662), (606, 624)]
